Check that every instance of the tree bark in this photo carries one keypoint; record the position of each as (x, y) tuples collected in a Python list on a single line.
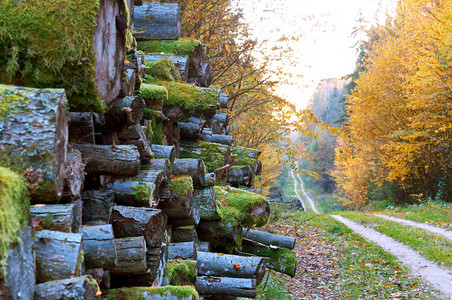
[(186, 250), (36, 137), (58, 217), (171, 136), (97, 207), (161, 151), (73, 288), (269, 238), (240, 176), (181, 62), (238, 287), (181, 210), (121, 160), (181, 235), (81, 127), (74, 175), (57, 255), (189, 131), (193, 167), (124, 112), (135, 136), (98, 244), (222, 118), (209, 208), (219, 235), (203, 77), (206, 135), (217, 127), (131, 256), (224, 100), (131, 81), (159, 165), (211, 179), (222, 139), (158, 21)]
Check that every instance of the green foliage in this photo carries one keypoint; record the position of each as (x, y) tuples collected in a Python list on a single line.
[(14, 210), (46, 44), (163, 69), (157, 132), (153, 92), (176, 47), (280, 259), (182, 185), (211, 153), (180, 272), (142, 191), (143, 293)]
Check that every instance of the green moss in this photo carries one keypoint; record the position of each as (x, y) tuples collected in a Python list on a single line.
[(181, 272), (142, 191), (175, 47), (153, 92), (14, 210), (245, 156), (11, 100), (143, 293), (157, 132), (182, 185), (47, 44), (281, 259), (211, 153), (163, 69)]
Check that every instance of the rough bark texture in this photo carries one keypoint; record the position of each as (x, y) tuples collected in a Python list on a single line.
[(222, 139), (189, 131), (158, 21), (97, 207), (193, 167), (57, 255), (211, 179), (240, 177), (81, 127), (186, 250), (124, 112), (159, 165), (181, 62), (134, 135), (181, 235), (203, 77), (238, 287), (98, 244), (161, 151), (219, 235), (121, 160), (171, 136), (84, 287), (269, 238), (58, 217), (36, 136), (74, 174), (180, 207), (209, 208), (224, 99), (131, 256)]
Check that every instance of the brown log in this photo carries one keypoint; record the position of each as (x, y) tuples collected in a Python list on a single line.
[(184, 234), (193, 167), (161, 164), (131, 256), (180, 61), (186, 250), (240, 176), (217, 127), (97, 207), (81, 127), (209, 208), (203, 77), (189, 131), (161, 151), (219, 235), (171, 136), (139, 221), (57, 255), (132, 78), (58, 217), (124, 112), (36, 137), (258, 170), (74, 174), (135, 136), (238, 287), (98, 244), (222, 139), (121, 160), (137, 2), (158, 21), (269, 238), (83, 287), (180, 207), (107, 138)]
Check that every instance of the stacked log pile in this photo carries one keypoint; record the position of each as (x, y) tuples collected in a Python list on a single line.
[(129, 200)]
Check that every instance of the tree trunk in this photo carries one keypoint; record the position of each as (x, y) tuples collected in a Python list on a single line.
[(36, 136), (189, 131), (181, 62), (186, 250), (224, 99), (238, 287), (58, 217), (83, 287), (224, 265), (209, 208), (158, 21), (159, 165), (81, 127), (97, 207), (135, 136), (99, 247), (139, 221), (57, 255), (131, 256), (161, 151), (181, 235), (124, 112), (193, 167), (179, 206), (270, 239), (222, 139), (121, 160), (74, 175), (141, 190)]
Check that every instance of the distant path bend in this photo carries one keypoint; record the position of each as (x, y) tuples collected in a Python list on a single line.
[(295, 187), (311, 202)]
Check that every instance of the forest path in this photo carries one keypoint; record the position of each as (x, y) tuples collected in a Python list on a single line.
[(295, 187), (307, 197)]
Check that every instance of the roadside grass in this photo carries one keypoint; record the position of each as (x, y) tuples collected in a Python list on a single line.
[(430, 245), (326, 202), (274, 287)]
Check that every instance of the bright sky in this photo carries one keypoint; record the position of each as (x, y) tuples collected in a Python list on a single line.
[(324, 49)]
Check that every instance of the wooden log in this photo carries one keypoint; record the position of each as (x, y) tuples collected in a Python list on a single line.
[(84, 287), (171, 136), (97, 207), (224, 265), (74, 175), (224, 100), (17, 278), (204, 246), (269, 238), (131, 256), (222, 139), (203, 77), (107, 138), (184, 234), (240, 176), (57, 255), (258, 170), (81, 127), (139, 221), (180, 61), (131, 80), (98, 244), (158, 21), (161, 151), (181, 210), (186, 250), (102, 278), (34, 134), (162, 164), (209, 208), (193, 167), (220, 236), (217, 127), (156, 293), (257, 191), (124, 112), (206, 135), (238, 287), (213, 155), (123, 160), (134, 135), (58, 217), (211, 179), (221, 117), (189, 131)]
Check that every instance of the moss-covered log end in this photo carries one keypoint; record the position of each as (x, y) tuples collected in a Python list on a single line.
[(181, 185), (211, 153), (163, 69), (281, 260), (181, 272), (175, 47), (153, 92), (143, 293)]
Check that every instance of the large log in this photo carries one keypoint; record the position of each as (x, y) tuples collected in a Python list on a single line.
[(171, 137), (84, 287), (158, 21), (209, 208), (224, 237), (58, 217), (224, 265), (131, 256), (141, 190), (269, 238), (81, 127), (190, 131), (193, 167), (206, 135), (97, 207), (203, 77), (74, 175), (98, 244), (213, 155), (181, 210), (222, 139), (58, 255), (156, 293), (185, 250), (184, 234), (34, 134), (161, 151), (162, 164), (240, 176), (223, 118), (121, 160), (134, 135), (139, 221), (238, 287), (124, 112), (180, 61)]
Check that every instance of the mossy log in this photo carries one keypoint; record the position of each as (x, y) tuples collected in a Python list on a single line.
[(131, 256), (237, 287), (81, 127), (97, 207), (139, 221), (180, 61), (240, 176), (34, 134), (134, 135), (99, 247), (209, 208), (269, 238), (225, 236), (193, 167), (224, 100), (189, 131), (155, 293), (222, 139), (122, 160), (74, 175), (185, 250), (162, 151), (124, 112), (102, 278), (180, 272), (257, 191), (211, 179), (213, 155), (225, 265), (58, 217), (58, 255), (162, 164), (204, 76), (206, 135), (182, 210), (140, 190), (158, 21), (18, 276), (84, 287), (184, 234)]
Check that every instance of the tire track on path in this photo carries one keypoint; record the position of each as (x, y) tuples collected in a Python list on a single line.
[(295, 183)]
